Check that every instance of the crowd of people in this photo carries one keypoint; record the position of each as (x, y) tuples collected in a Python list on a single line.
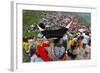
[(61, 36)]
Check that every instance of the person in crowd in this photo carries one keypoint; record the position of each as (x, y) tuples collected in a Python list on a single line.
[(41, 49), (85, 39), (88, 50), (26, 45)]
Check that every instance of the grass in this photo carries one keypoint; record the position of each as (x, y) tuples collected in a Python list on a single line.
[(30, 17)]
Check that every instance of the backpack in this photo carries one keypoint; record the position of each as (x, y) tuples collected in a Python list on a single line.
[(59, 51)]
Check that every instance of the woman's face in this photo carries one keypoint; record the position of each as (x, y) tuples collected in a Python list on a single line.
[(40, 40), (75, 51)]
